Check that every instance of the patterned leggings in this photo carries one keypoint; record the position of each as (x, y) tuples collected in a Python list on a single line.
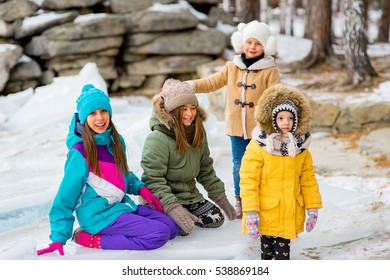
[(274, 248), (210, 215)]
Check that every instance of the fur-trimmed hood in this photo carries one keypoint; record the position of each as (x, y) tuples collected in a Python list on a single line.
[(161, 116), (275, 94)]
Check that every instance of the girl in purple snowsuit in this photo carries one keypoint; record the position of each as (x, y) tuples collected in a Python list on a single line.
[(95, 185)]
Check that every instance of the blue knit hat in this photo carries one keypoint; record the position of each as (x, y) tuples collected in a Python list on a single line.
[(90, 100)]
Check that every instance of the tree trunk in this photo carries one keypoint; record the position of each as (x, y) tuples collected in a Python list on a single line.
[(320, 22), (383, 35), (248, 10), (282, 18), (291, 17), (355, 45), (264, 14), (309, 29)]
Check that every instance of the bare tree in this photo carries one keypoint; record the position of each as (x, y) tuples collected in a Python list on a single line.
[(282, 18), (355, 45), (383, 35), (248, 10), (320, 23), (309, 28)]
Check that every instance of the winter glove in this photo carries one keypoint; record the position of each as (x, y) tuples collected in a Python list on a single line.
[(52, 247), (312, 220), (224, 203), (252, 222), (150, 198), (184, 219)]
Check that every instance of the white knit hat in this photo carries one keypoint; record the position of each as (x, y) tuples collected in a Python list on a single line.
[(254, 29)]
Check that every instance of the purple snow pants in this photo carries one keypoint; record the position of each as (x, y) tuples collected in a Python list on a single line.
[(143, 229)]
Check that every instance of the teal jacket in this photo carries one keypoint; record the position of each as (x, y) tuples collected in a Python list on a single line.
[(97, 202)]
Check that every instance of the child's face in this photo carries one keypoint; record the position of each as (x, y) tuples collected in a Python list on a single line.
[(188, 114), (253, 48), (99, 120), (284, 121)]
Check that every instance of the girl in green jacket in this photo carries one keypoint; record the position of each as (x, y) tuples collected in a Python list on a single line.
[(176, 157)]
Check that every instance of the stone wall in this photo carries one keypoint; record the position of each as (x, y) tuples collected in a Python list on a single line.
[(135, 44)]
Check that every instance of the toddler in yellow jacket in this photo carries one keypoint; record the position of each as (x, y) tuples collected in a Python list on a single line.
[(277, 177)]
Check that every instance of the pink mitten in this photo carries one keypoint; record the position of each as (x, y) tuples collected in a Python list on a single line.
[(150, 198), (312, 220), (52, 247), (252, 222)]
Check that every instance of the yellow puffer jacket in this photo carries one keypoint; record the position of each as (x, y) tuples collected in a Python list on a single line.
[(280, 188)]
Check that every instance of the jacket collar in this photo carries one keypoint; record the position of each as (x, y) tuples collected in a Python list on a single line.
[(264, 63)]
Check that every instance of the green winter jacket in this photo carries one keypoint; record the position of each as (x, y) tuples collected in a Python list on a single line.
[(172, 177)]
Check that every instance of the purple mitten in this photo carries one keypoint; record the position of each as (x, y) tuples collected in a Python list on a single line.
[(52, 247), (150, 198)]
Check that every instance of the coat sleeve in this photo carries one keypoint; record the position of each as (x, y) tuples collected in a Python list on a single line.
[(207, 176), (61, 213), (250, 176), (133, 183), (309, 185), (212, 82), (154, 162)]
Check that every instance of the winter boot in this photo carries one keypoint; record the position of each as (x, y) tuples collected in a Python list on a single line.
[(86, 239), (238, 207)]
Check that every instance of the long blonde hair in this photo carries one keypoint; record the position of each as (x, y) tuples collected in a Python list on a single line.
[(91, 150), (180, 135)]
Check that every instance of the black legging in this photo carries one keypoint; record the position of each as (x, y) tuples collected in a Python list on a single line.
[(274, 248)]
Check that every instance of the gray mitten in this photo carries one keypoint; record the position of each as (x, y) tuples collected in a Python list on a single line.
[(312, 220), (224, 203), (184, 219)]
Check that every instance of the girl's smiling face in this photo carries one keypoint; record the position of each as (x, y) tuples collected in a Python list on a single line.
[(284, 121), (99, 120), (188, 114), (253, 48)]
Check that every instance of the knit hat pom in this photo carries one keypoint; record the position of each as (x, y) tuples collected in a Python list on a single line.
[(270, 47), (90, 100), (87, 87), (237, 41)]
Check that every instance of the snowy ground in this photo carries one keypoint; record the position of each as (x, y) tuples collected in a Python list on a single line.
[(353, 225)]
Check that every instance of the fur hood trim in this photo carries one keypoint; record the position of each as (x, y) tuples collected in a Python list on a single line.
[(166, 118), (274, 95)]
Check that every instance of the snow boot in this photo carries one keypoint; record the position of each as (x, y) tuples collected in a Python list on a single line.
[(86, 239)]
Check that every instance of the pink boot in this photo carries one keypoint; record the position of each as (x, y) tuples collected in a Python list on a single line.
[(86, 239)]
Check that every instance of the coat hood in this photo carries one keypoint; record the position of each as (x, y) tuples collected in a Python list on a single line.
[(161, 116), (264, 63), (273, 96)]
